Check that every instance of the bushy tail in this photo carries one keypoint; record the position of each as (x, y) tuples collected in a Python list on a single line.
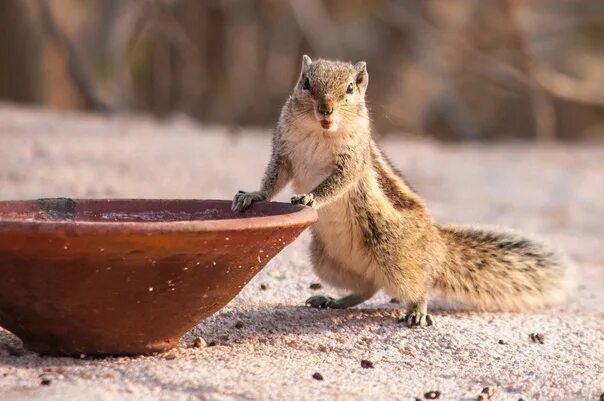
[(494, 269)]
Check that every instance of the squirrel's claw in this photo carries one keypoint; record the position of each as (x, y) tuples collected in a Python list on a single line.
[(243, 200), (319, 301), (418, 319), (303, 199)]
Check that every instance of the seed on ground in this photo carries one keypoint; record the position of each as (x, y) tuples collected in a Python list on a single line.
[(45, 382), (199, 342), (394, 301), (365, 364), (432, 395), (487, 394), (501, 342), (263, 287), (316, 286), (537, 338), (239, 325), (317, 376)]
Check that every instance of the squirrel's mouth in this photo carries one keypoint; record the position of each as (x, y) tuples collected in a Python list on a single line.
[(326, 124)]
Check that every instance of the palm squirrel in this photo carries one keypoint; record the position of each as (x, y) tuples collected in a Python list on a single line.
[(374, 232)]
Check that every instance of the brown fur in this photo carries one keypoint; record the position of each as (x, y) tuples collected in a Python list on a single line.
[(374, 232)]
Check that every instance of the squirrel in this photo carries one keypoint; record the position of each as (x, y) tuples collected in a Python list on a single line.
[(374, 231)]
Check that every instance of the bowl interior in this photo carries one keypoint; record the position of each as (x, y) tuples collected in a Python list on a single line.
[(133, 210)]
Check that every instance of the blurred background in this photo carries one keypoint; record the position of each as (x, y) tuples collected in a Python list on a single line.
[(454, 70)]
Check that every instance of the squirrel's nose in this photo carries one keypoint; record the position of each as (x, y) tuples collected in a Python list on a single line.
[(325, 109)]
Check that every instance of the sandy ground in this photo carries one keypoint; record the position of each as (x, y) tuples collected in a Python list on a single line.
[(556, 191)]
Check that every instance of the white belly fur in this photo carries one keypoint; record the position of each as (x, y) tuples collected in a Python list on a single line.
[(311, 157), (342, 238)]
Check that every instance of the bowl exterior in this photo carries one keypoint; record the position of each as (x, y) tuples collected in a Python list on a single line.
[(63, 292)]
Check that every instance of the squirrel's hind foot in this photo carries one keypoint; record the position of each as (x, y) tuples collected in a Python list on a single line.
[(417, 319), (325, 302), (320, 301)]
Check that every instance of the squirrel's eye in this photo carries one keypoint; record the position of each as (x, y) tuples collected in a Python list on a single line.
[(306, 84), (350, 89)]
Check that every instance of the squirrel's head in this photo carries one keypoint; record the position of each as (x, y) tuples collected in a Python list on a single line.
[(331, 94)]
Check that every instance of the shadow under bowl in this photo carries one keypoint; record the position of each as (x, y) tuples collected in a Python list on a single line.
[(108, 277)]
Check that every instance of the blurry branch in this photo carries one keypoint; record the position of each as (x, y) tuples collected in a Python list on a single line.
[(316, 26), (186, 48), (544, 112), (78, 71), (570, 89)]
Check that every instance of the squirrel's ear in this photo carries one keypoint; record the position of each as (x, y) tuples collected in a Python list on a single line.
[(306, 61), (362, 75)]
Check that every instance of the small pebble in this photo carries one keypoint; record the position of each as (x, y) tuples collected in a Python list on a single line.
[(394, 301), (365, 364), (45, 382), (501, 342), (211, 343), (316, 286), (199, 342), (170, 357), (317, 376), (263, 287), (432, 395), (537, 338), (14, 351)]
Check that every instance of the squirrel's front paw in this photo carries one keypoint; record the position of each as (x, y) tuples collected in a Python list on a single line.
[(303, 199), (244, 200)]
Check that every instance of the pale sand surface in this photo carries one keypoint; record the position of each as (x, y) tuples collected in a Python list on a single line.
[(556, 191)]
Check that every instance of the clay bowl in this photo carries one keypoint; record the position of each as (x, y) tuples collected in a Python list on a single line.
[(129, 276)]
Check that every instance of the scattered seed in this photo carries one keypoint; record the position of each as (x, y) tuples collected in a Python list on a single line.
[(211, 343), (317, 376), (394, 301), (170, 357), (406, 350), (365, 364), (263, 287), (487, 394), (45, 382), (432, 395), (501, 342), (199, 342), (239, 325), (537, 338), (316, 286)]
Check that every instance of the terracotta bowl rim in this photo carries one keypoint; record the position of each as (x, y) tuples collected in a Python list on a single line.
[(297, 216)]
